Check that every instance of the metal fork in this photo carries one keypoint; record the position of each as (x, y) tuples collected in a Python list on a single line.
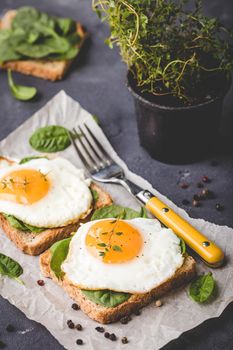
[(97, 161), (102, 168)]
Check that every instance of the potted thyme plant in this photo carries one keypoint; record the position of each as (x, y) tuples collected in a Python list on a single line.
[(180, 65)]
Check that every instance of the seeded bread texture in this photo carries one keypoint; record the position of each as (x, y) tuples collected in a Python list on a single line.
[(105, 315), (49, 70), (36, 243)]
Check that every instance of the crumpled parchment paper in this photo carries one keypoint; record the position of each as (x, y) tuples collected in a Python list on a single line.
[(50, 305)]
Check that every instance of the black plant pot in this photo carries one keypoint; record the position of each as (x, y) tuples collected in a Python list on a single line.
[(177, 134)]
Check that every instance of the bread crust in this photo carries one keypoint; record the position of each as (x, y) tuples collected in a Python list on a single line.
[(105, 315), (48, 70), (36, 243)]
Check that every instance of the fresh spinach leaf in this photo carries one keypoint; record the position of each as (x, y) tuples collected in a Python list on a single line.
[(10, 268), (202, 289), (59, 251), (23, 93), (66, 25), (117, 211), (20, 225), (95, 195), (27, 159), (182, 246), (106, 298), (52, 138)]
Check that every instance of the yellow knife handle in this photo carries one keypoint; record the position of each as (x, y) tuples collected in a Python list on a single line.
[(207, 249)]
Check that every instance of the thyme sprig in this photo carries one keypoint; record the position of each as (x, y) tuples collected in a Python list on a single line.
[(108, 246), (170, 48)]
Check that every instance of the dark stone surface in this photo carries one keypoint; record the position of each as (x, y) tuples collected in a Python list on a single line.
[(98, 83)]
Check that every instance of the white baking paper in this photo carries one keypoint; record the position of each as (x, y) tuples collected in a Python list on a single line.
[(50, 305)]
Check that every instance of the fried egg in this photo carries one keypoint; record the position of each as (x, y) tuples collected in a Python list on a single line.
[(131, 256), (45, 193)]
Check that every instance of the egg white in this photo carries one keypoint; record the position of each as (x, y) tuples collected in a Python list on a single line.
[(68, 198), (159, 259)]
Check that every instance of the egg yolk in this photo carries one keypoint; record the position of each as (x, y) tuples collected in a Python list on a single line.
[(113, 241), (24, 186)]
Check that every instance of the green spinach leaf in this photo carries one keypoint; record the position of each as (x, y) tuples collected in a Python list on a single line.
[(52, 138), (20, 225), (95, 195), (117, 211), (66, 25), (182, 246), (23, 93), (27, 159), (10, 268), (59, 251), (202, 289), (106, 298)]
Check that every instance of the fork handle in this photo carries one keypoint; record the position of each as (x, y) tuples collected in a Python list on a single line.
[(207, 249)]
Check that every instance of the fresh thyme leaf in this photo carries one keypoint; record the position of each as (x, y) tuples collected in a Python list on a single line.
[(10, 268), (104, 233), (102, 254), (182, 246), (116, 248), (23, 93), (101, 244), (119, 233)]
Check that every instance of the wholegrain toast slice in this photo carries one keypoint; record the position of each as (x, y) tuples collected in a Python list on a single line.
[(49, 70), (106, 315), (36, 243)]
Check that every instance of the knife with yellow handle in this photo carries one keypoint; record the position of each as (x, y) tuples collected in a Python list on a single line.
[(208, 250)]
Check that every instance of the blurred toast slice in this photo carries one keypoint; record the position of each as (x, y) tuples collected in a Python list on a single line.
[(106, 315), (49, 70)]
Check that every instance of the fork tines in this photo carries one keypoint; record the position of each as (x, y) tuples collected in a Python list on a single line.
[(89, 149)]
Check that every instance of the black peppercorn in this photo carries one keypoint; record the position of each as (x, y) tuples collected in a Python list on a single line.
[(70, 324), (124, 340), (10, 328), (75, 306), (107, 335), (100, 329), (112, 337), (79, 342), (79, 327)]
